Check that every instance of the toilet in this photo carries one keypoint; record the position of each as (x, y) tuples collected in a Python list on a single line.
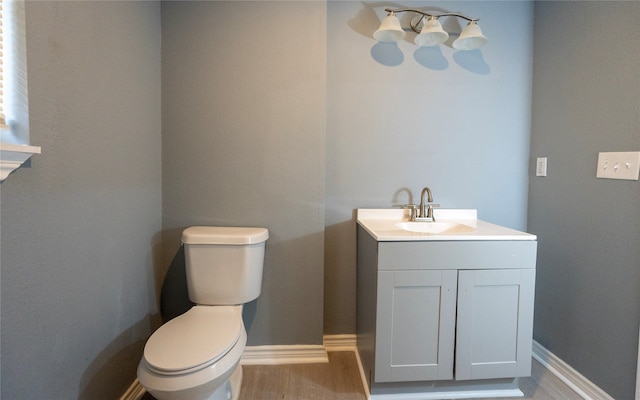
[(196, 355)]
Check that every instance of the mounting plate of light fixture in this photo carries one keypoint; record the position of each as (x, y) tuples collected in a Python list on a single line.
[(431, 33)]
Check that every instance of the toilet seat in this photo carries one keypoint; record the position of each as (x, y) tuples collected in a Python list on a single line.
[(194, 340)]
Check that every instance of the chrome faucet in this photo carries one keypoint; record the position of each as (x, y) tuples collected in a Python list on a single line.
[(426, 209)]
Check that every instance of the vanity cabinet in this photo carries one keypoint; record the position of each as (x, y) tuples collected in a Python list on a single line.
[(445, 310)]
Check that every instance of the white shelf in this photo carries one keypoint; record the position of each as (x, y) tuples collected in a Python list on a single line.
[(12, 156)]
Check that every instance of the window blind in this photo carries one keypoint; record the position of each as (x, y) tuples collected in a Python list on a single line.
[(14, 102), (3, 123), (14, 99)]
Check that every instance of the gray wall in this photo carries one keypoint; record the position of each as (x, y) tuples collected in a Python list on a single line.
[(79, 226), (243, 123), (401, 117), (586, 99)]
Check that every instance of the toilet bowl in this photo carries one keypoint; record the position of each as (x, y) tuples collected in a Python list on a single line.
[(196, 355)]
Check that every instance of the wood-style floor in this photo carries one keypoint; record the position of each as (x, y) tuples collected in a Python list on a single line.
[(337, 380), (340, 380)]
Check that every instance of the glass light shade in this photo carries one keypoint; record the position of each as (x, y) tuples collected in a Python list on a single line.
[(431, 34), (390, 30), (470, 38)]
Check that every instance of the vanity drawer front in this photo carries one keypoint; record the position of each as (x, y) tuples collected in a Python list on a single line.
[(457, 255)]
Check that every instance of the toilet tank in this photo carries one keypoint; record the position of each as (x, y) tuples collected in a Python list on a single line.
[(224, 264)]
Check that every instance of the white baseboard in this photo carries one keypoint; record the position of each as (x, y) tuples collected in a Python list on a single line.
[(340, 342), (135, 391), (572, 378), (278, 355), (453, 395)]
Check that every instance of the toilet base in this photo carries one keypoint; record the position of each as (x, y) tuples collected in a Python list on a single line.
[(230, 390), (235, 382)]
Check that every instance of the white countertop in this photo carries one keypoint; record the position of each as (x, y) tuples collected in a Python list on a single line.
[(456, 224)]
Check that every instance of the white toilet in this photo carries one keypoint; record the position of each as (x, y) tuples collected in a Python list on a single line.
[(196, 355)]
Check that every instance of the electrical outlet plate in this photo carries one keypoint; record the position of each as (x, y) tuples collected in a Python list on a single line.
[(619, 165)]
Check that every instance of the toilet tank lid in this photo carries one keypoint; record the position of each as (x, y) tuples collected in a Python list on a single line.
[(224, 235)]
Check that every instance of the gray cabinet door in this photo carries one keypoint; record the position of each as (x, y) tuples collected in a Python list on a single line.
[(416, 325), (495, 323)]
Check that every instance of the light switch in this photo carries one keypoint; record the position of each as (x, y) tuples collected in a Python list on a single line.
[(619, 165), (541, 166)]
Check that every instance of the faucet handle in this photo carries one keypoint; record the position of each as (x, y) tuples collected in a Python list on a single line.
[(413, 211), (430, 207)]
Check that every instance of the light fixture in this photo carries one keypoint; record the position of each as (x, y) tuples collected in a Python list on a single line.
[(431, 33), (390, 29), (470, 38)]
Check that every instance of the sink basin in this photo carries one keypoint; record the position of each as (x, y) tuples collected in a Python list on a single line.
[(435, 227), (392, 225)]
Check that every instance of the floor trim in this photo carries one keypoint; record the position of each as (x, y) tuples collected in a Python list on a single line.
[(453, 395), (277, 355), (345, 342), (572, 378), (135, 391)]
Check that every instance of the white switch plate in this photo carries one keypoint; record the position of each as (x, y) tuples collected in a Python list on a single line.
[(541, 166), (619, 165)]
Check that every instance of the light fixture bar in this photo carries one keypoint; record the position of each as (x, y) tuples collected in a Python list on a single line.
[(430, 14)]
